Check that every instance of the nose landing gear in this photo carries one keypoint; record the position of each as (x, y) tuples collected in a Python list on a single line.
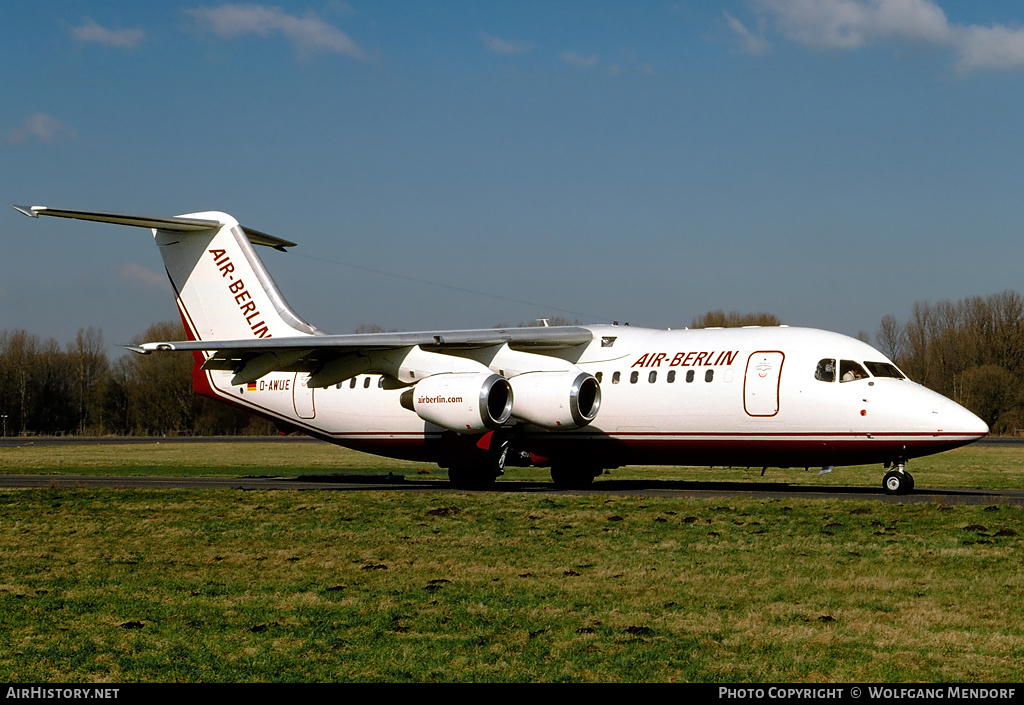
[(898, 480)]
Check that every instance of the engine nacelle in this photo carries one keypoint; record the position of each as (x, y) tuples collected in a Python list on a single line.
[(558, 401), (464, 402)]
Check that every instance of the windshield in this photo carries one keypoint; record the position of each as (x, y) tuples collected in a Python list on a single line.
[(884, 369), (850, 371)]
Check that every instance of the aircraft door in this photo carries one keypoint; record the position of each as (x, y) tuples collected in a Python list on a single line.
[(761, 383), (302, 396)]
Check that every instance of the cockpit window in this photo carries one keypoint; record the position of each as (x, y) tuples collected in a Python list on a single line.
[(850, 371), (826, 371), (883, 369)]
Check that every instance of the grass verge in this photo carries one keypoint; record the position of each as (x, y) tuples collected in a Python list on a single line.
[(118, 585), (980, 467)]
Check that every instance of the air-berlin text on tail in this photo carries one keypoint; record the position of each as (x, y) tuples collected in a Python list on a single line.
[(241, 296), (697, 358)]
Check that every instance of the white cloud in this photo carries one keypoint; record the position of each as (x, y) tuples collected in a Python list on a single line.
[(40, 127), (505, 46), (990, 47), (851, 24), (848, 24), (574, 59), (142, 277), (749, 42), (308, 33), (94, 32)]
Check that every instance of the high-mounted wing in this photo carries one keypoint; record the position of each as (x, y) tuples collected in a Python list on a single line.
[(334, 358)]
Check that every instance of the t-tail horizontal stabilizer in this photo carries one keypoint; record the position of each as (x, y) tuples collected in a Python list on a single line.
[(223, 289), (171, 223)]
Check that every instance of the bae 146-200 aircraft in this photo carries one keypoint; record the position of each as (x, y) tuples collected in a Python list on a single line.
[(579, 399)]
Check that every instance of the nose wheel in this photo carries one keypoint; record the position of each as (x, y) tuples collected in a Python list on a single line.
[(898, 480)]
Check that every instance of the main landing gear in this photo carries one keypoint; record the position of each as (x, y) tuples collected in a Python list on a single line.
[(479, 471), (898, 480)]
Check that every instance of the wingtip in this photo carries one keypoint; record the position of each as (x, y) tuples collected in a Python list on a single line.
[(27, 210)]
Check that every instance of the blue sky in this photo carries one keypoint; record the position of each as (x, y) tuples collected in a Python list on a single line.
[(829, 161)]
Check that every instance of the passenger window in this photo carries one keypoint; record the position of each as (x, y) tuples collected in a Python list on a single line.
[(826, 371), (380, 382), (599, 377), (633, 377), (689, 375), (850, 371), (366, 383), (709, 375), (615, 377), (671, 376), (352, 384), (653, 377)]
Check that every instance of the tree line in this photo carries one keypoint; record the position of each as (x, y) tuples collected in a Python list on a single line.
[(46, 389), (971, 351)]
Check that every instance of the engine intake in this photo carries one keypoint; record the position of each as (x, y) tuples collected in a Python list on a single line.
[(472, 402), (558, 401)]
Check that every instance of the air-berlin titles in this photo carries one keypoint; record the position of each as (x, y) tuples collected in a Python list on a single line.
[(688, 359), (439, 400), (242, 297)]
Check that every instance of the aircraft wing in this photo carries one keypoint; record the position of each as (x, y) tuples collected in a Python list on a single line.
[(333, 358)]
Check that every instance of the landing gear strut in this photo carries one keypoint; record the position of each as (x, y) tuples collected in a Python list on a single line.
[(898, 480)]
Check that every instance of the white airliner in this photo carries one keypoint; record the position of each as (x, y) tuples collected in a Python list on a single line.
[(579, 399)]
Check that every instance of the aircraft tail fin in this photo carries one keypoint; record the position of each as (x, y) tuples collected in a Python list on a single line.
[(222, 288)]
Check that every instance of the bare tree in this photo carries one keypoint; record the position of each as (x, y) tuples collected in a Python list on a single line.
[(734, 319), (891, 337), (89, 365)]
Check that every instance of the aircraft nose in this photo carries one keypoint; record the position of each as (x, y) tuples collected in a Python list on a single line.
[(974, 425), (959, 420)]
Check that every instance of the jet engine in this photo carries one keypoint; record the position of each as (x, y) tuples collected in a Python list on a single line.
[(558, 401), (472, 402)]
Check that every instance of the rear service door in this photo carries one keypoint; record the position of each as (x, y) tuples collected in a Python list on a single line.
[(761, 383), (302, 396)]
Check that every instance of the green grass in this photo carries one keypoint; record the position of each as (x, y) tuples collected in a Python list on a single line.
[(223, 585), (982, 467), (109, 585), (269, 458)]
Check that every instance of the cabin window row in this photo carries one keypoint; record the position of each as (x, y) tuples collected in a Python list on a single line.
[(652, 376), (634, 377), (352, 383)]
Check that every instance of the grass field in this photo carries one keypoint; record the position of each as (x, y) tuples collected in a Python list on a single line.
[(221, 585), (981, 467)]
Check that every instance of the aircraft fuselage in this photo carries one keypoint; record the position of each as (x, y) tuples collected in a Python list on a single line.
[(743, 397)]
